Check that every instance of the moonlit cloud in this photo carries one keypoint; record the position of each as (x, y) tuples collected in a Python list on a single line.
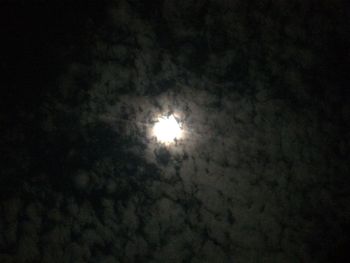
[(170, 140)]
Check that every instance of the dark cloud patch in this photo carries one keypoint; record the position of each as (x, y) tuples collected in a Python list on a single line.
[(163, 156)]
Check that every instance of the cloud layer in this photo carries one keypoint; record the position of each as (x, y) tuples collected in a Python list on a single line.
[(259, 176)]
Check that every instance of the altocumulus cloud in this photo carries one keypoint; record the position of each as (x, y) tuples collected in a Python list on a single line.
[(255, 176)]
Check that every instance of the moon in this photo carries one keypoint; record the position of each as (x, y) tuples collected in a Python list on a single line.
[(167, 129)]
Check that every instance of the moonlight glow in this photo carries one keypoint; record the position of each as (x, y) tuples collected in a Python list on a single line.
[(167, 129)]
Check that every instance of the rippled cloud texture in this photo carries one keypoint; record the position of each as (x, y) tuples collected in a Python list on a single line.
[(259, 175)]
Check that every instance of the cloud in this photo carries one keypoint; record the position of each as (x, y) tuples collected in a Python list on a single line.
[(249, 181)]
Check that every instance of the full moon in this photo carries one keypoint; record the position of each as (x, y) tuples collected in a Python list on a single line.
[(167, 129)]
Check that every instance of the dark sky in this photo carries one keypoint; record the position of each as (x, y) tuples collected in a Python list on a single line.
[(260, 87)]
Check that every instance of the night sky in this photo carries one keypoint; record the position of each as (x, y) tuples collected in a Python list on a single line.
[(260, 88)]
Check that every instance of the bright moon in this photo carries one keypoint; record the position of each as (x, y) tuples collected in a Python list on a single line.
[(167, 129)]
